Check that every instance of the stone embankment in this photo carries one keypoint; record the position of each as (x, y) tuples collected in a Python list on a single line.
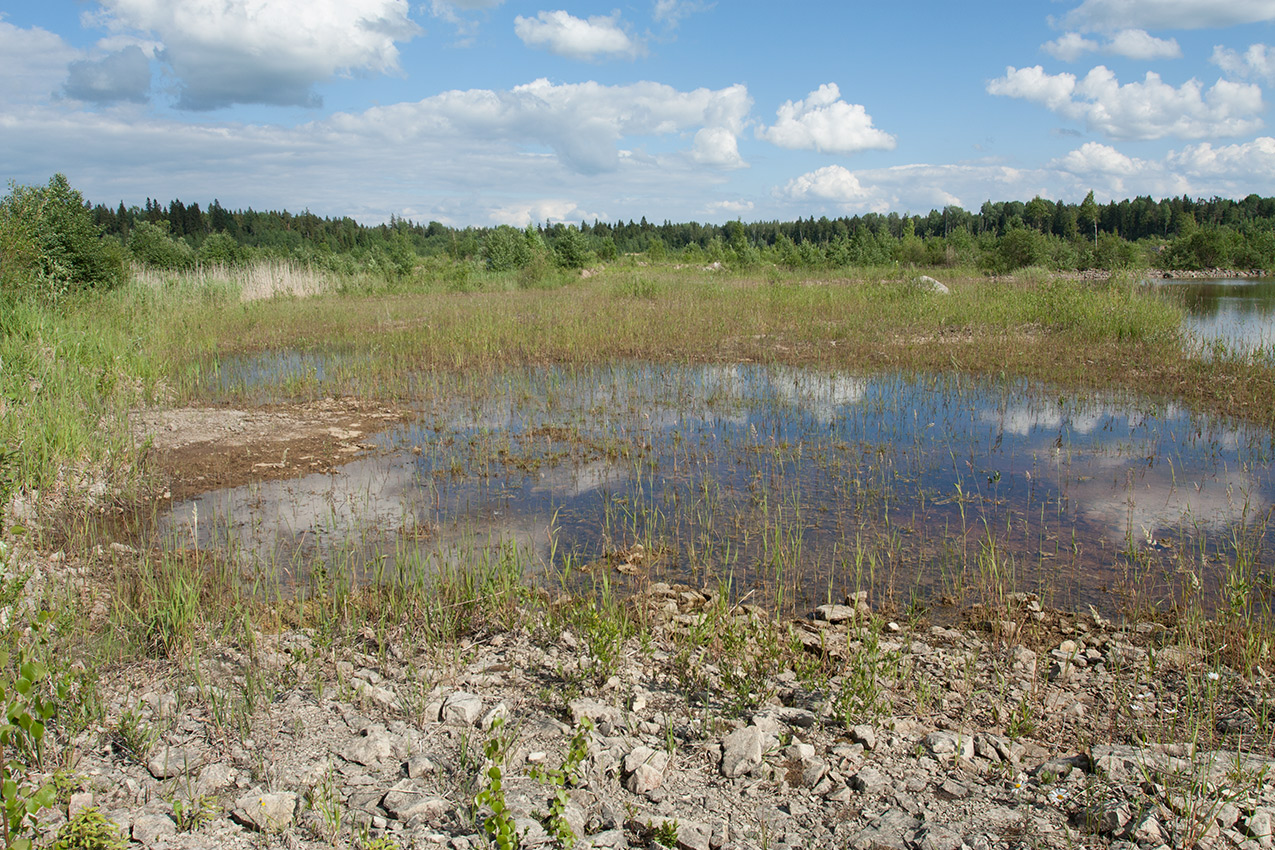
[(717, 728)]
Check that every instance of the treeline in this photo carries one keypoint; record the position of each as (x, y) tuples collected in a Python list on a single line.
[(1172, 233)]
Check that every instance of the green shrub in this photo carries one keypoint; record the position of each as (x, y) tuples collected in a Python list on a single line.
[(49, 244), (221, 249), (506, 249), (151, 245)]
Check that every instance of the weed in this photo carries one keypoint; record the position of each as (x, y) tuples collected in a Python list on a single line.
[(560, 779), (499, 824), (89, 830)]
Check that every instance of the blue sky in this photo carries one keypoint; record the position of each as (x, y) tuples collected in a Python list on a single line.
[(479, 112)]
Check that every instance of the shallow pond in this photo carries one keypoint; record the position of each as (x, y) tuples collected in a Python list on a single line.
[(1240, 313), (793, 485)]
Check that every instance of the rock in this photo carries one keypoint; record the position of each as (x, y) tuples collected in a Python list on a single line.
[(950, 744), (864, 734), (693, 835), (933, 837), (890, 831), (1261, 826), (419, 765), (869, 780), (370, 749), (1107, 816), (266, 812), (149, 830), (462, 709), (933, 285), (645, 767), (611, 839), (79, 801), (741, 751), (813, 772), (405, 801), (214, 778), (1145, 829), (606, 718), (500, 712), (834, 613), (169, 762)]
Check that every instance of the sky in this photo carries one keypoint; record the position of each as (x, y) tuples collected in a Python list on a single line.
[(485, 112)]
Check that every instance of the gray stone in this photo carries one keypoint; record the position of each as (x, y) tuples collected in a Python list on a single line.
[(266, 812), (419, 765), (693, 835), (499, 712), (1108, 816), (645, 767), (148, 830), (214, 778), (869, 780), (864, 734), (462, 709), (929, 283), (950, 744), (933, 837), (813, 772), (607, 718), (79, 801), (1145, 829), (373, 747), (405, 801), (741, 751), (890, 831), (834, 613), (611, 839), (1261, 826), (169, 762)]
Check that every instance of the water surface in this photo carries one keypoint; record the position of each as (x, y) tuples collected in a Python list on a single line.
[(796, 485)]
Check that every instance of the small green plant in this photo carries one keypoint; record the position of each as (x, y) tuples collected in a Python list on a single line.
[(665, 833), (89, 830), (500, 823), (323, 799), (561, 779), (381, 842), (133, 737), (190, 814), (30, 701)]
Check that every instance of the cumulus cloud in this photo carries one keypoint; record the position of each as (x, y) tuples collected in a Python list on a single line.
[(543, 210), (225, 52), (1097, 158), (576, 38), (717, 146), (1150, 109), (583, 123), (124, 75), (733, 208), (833, 183), (1111, 15), (1131, 43), (1256, 63), (1140, 44), (33, 63), (460, 14), (825, 123), (1070, 46)]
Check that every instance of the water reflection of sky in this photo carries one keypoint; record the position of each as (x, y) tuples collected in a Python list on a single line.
[(1238, 312), (735, 468)]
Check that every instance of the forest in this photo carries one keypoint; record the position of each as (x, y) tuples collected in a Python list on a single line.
[(1172, 233), (86, 245)]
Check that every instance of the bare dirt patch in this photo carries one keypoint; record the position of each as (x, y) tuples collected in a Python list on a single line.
[(197, 449)]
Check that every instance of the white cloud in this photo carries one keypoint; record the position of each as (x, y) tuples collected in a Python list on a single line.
[(717, 146), (1111, 15), (1097, 158), (1131, 43), (544, 210), (575, 38), (1252, 160), (1256, 63), (1151, 109), (124, 75), (1140, 44), (733, 208), (225, 52), (1070, 46), (454, 13), (672, 12), (825, 123), (33, 63), (833, 183)]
